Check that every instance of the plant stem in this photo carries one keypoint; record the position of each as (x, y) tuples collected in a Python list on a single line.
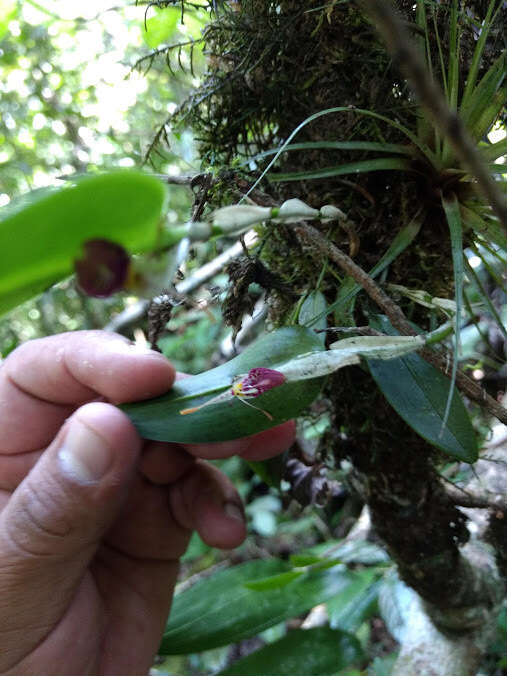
[(313, 239)]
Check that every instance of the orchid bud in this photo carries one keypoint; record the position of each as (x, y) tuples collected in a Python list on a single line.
[(331, 213), (295, 210), (198, 231), (239, 217)]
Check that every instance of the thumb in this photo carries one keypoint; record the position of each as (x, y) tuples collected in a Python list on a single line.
[(52, 525)]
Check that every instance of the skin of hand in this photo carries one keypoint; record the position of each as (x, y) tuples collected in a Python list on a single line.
[(93, 519)]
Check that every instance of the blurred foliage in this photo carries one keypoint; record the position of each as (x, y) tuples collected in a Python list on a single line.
[(72, 100)]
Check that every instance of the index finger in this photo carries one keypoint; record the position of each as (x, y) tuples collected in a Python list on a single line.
[(44, 380)]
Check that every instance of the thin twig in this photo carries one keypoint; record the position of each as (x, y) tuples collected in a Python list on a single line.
[(465, 498), (313, 239), (135, 312), (433, 100)]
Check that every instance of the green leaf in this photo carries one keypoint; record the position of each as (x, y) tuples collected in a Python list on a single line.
[(453, 216), (42, 233), (274, 581), (489, 228), (222, 609), (320, 651), (270, 470), (492, 152), (350, 288), (161, 26), (453, 75), (160, 418), (418, 393), (478, 51), (340, 145), (487, 99), (313, 312), (355, 604), (361, 167), (346, 109)]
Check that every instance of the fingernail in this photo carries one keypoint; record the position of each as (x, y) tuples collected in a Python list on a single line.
[(84, 456), (234, 511)]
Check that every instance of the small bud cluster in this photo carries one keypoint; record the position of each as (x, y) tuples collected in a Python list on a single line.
[(237, 218)]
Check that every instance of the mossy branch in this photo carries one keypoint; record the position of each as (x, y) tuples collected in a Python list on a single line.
[(313, 239)]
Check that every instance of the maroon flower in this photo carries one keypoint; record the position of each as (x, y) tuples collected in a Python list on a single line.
[(103, 268)]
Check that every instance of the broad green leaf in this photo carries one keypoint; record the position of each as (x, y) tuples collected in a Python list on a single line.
[(351, 607), (160, 418), (418, 393), (361, 167), (313, 312), (161, 26), (222, 609), (274, 581), (42, 234), (320, 651)]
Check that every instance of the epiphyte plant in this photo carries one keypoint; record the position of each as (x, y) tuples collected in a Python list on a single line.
[(312, 365), (247, 386)]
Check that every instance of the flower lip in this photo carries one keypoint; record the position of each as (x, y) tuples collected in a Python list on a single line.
[(259, 380)]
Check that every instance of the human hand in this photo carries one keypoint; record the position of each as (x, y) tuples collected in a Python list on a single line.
[(93, 519)]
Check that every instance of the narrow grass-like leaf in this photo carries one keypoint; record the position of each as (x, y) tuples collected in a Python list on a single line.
[(483, 295), (489, 228), (43, 232), (222, 609), (342, 109), (453, 216), (418, 392), (341, 145), (361, 167), (486, 101), (494, 151), (161, 418), (320, 651), (423, 124), (452, 76), (478, 51), (350, 288)]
